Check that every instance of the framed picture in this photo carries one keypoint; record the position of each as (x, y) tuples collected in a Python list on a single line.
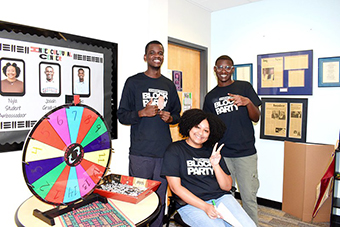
[(49, 79), (12, 77), (81, 81), (289, 73), (329, 74), (284, 119), (243, 72)]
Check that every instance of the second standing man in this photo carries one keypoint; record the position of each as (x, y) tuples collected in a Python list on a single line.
[(237, 104)]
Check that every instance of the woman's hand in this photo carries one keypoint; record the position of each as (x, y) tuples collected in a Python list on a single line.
[(210, 210), (216, 155)]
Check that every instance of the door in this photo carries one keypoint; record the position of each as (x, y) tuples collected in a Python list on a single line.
[(187, 61)]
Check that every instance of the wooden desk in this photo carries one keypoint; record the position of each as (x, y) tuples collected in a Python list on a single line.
[(140, 214)]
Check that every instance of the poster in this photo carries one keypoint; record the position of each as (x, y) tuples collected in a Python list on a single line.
[(46, 75), (42, 69), (187, 101), (177, 79)]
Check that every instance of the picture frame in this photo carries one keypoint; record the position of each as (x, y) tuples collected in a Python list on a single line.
[(243, 72), (50, 88), (328, 72), (6, 88), (288, 73), (81, 88), (284, 119)]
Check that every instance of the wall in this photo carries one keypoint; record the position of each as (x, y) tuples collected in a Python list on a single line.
[(190, 23), (272, 26), (131, 24)]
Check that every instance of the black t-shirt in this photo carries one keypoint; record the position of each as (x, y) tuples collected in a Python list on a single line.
[(192, 165), (239, 138), (150, 136)]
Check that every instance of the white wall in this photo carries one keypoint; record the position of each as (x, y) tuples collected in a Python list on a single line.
[(272, 26), (131, 24)]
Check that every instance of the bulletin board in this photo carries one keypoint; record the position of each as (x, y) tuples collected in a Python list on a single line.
[(289, 73), (284, 119), (77, 65)]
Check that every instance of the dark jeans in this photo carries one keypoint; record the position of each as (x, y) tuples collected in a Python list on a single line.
[(150, 168)]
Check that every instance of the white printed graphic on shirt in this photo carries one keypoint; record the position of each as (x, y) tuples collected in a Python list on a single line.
[(224, 105), (199, 166), (154, 94)]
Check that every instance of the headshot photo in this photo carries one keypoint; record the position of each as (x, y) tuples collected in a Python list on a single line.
[(50, 79), (81, 81), (12, 77)]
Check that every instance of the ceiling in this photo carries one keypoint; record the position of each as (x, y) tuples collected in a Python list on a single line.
[(215, 5)]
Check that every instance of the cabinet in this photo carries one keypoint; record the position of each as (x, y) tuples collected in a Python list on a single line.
[(335, 216)]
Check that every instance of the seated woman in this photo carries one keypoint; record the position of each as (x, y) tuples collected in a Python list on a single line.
[(197, 174)]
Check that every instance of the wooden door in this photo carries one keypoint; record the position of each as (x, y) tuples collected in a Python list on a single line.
[(187, 61)]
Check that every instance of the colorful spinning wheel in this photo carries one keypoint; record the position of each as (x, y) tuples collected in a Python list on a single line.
[(66, 154)]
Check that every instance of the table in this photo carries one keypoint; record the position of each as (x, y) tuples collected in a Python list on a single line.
[(140, 214)]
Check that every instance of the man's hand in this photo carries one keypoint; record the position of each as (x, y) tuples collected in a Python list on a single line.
[(165, 116), (239, 100), (149, 111)]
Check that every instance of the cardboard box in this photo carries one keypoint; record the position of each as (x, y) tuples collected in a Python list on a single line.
[(150, 186), (304, 166)]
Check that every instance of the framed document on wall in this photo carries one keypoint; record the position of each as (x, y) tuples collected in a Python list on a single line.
[(289, 73), (284, 119), (329, 73), (243, 72)]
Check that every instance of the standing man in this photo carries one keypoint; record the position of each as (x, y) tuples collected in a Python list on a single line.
[(237, 104), (149, 103)]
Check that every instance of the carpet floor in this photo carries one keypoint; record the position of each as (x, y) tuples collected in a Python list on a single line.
[(269, 217)]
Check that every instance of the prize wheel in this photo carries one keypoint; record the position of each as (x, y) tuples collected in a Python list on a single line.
[(66, 154)]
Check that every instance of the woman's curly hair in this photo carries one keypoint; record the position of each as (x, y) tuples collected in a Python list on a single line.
[(17, 69), (193, 117)]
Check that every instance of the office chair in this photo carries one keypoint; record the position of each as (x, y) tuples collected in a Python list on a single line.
[(172, 214)]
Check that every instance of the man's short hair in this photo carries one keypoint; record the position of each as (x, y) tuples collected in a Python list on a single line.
[(152, 42)]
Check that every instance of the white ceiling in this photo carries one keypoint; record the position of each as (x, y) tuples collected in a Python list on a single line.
[(215, 5)]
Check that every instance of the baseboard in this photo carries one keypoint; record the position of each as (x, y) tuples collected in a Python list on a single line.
[(264, 202)]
